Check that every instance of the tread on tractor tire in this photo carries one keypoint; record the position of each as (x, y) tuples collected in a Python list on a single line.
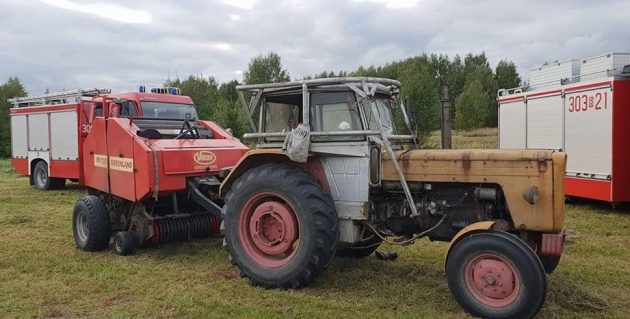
[(281, 228), (42, 179), (496, 275), (90, 224)]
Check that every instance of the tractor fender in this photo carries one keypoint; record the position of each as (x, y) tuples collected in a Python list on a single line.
[(259, 157), (252, 158), (470, 229)]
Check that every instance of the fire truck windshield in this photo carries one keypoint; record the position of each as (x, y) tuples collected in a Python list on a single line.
[(168, 110)]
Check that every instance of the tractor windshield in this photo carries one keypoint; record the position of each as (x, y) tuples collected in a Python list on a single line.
[(384, 113), (168, 110)]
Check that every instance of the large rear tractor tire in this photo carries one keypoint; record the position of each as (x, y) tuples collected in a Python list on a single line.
[(281, 229), (90, 224), (42, 179), (496, 275)]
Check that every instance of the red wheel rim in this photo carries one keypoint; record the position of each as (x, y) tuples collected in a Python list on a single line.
[(492, 280), (268, 230)]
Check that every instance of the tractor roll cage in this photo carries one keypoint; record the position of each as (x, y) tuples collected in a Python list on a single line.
[(362, 86)]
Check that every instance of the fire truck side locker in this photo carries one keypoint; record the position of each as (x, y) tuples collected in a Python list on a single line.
[(589, 120), (48, 134)]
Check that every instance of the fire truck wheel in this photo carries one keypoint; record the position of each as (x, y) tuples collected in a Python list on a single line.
[(281, 228), (90, 224), (43, 181), (496, 275), (124, 243)]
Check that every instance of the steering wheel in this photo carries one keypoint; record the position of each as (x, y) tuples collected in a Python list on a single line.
[(188, 129)]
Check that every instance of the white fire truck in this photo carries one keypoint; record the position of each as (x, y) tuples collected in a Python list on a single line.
[(581, 107)]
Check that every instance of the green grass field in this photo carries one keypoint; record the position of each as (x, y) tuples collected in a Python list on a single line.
[(43, 275)]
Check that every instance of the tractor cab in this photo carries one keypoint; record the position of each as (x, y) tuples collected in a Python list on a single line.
[(346, 111)]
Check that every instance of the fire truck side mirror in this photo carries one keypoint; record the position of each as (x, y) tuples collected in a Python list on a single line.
[(124, 110), (114, 110)]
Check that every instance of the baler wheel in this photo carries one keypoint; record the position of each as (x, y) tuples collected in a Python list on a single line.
[(281, 228), (124, 243), (90, 224), (496, 275)]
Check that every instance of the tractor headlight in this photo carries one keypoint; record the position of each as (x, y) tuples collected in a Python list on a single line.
[(531, 195), (375, 165)]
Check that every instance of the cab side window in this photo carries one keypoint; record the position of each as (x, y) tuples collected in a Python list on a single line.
[(128, 109), (98, 109), (281, 114), (332, 112)]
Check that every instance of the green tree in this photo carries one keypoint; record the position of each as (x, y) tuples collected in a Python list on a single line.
[(203, 91), (419, 84), (506, 75), (265, 69), (484, 76), (474, 61), (456, 78), (228, 91), (12, 88), (471, 107)]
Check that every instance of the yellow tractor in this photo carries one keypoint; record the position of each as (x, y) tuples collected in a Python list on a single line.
[(335, 172)]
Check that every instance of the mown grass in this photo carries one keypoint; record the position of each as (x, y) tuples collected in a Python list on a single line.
[(43, 275), (481, 138)]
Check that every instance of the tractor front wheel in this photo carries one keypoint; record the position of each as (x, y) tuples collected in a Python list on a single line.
[(496, 275), (280, 227)]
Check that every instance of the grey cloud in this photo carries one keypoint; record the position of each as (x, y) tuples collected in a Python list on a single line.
[(57, 48)]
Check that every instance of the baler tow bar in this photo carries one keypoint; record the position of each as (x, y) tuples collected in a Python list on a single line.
[(195, 186)]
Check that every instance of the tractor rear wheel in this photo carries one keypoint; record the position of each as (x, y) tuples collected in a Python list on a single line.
[(280, 227), (496, 275), (42, 179), (90, 224)]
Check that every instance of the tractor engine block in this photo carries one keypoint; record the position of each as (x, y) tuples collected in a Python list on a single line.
[(463, 204)]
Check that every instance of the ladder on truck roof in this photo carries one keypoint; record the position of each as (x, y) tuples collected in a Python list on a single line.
[(56, 97)]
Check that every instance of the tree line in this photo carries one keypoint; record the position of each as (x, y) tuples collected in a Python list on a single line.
[(471, 81)]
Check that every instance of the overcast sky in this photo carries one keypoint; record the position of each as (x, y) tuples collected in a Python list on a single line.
[(120, 44)]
